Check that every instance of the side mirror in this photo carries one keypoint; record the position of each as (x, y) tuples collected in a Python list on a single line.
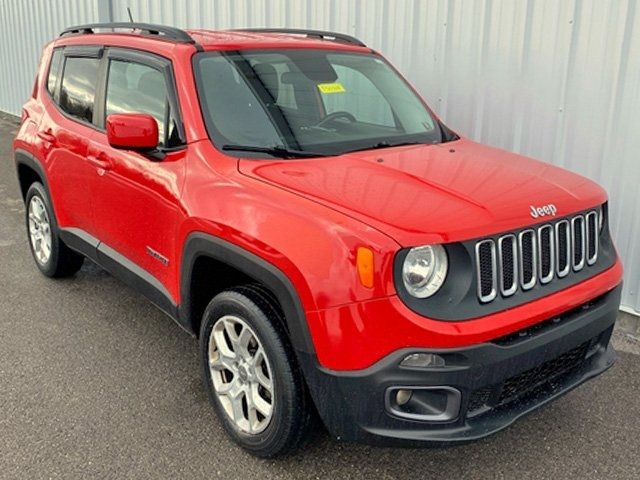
[(132, 131)]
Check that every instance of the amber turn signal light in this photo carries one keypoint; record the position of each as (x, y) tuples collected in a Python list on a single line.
[(364, 261)]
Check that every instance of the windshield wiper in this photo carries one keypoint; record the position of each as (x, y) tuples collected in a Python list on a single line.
[(385, 144), (276, 151)]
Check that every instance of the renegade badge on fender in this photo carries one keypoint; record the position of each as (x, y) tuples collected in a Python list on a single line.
[(288, 198)]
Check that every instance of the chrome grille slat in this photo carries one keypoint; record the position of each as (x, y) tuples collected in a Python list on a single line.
[(535, 256), (577, 242), (591, 227), (545, 253), (563, 248), (486, 278), (527, 255), (507, 249)]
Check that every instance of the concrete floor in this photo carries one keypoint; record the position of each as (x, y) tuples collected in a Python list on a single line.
[(95, 382)]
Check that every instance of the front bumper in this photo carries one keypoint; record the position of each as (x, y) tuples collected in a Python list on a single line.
[(498, 381)]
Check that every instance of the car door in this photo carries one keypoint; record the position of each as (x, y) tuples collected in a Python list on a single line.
[(135, 194), (65, 130)]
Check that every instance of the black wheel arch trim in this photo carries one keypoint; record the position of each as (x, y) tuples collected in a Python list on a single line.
[(201, 244), (23, 157)]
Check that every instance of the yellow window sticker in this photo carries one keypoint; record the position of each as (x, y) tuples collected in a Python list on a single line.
[(331, 87)]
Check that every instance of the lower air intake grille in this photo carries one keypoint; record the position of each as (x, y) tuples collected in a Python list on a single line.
[(521, 384), (479, 399), (528, 382)]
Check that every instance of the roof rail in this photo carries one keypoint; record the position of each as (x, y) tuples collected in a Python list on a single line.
[(164, 32), (336, 37)]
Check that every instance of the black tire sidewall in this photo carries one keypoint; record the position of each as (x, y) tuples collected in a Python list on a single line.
[(50, 267), (271, 440)]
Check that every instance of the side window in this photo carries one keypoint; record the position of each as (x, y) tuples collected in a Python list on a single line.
[(78, 89), (55, 68), (360, 97), (137, 88)]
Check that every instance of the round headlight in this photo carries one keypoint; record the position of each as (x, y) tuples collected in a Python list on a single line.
[(424, 270)]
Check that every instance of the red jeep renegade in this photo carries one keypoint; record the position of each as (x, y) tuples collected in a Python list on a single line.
[(289, 199)]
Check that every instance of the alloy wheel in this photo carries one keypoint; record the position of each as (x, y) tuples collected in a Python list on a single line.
[(241, 374), (39, 230)]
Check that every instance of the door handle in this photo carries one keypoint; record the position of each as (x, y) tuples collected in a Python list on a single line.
[(47, 137), (100, 161)]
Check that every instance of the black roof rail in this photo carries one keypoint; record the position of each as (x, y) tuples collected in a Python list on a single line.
[(337, 37), (164, 32)]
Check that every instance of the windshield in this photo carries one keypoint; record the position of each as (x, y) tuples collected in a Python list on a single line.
[(321, 101)]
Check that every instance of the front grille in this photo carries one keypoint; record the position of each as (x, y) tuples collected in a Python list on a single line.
[(535, 256), (528, 382)]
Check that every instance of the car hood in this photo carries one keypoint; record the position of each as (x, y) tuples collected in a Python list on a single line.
[(433, 193)]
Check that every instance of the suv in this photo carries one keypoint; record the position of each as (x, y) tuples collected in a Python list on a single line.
[(290, 200)]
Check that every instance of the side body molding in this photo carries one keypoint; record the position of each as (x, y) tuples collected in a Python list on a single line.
[(201, 244), (122, 268)]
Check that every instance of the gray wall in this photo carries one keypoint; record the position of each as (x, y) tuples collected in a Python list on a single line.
[(556, 80)]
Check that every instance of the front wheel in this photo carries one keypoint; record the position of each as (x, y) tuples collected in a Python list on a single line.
[(251, 374)]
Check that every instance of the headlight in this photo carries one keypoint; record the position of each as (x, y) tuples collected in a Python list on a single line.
[(424, 270)]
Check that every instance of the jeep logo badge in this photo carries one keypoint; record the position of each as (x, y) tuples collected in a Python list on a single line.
[(543, 211)]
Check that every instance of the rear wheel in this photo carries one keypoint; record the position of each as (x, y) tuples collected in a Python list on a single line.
[(52, 256), (251, 373)]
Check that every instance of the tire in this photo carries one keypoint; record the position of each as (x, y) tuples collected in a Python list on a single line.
[(291, 410), (52, 256)]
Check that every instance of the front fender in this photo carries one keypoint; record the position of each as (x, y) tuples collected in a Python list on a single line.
[(202, 244), (273, 235)]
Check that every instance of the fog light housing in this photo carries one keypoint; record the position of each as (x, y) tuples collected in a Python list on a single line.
[(427, 404), (422, 360)]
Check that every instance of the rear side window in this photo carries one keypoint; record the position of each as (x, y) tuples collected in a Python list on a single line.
[(137, 88), (78, 89), (55, 68)]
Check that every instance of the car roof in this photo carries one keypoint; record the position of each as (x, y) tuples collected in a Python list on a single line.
[(207, 40), (229, 39)]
